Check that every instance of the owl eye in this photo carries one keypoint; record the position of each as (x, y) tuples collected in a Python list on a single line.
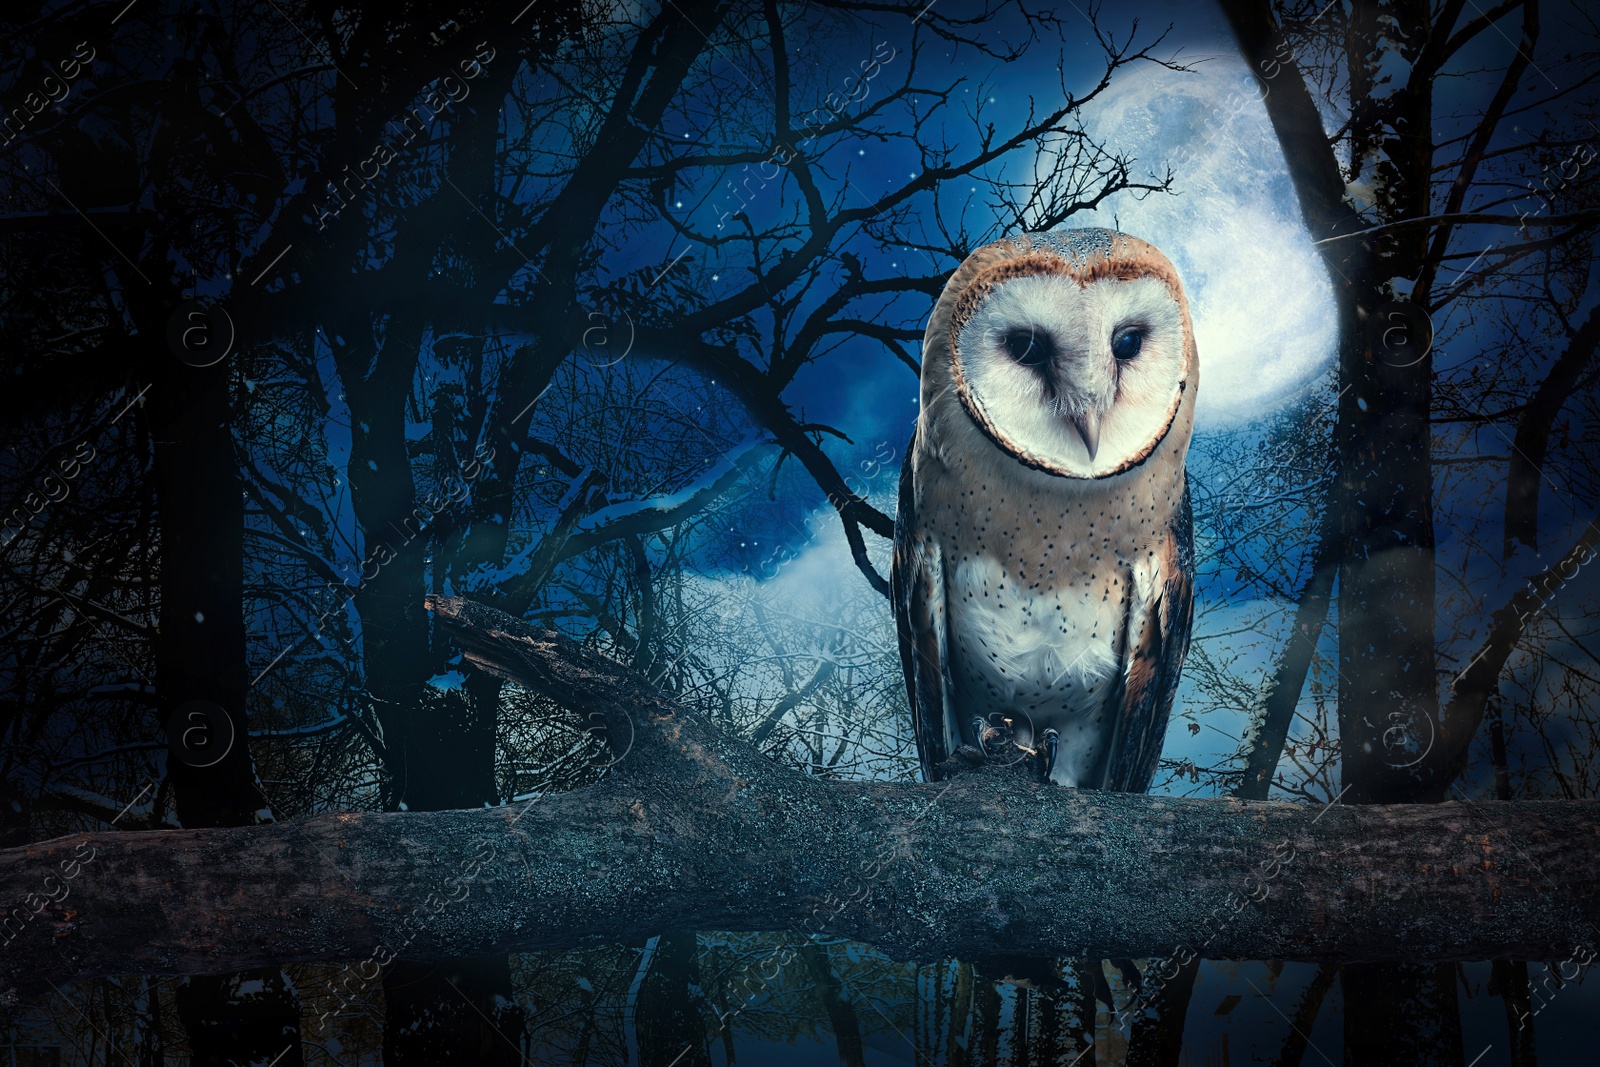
[(1028, 347), (1126, 344)]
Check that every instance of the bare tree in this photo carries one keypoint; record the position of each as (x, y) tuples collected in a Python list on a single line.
[(1391, 193)]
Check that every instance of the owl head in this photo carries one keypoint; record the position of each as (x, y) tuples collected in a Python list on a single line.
[(1072, 351)]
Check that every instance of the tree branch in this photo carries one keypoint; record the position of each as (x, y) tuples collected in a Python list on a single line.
[(1472, 687), (692, 828), (1271, 731), (1532, 440)]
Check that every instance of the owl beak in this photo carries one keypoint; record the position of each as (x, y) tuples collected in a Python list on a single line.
[(1088, 427)]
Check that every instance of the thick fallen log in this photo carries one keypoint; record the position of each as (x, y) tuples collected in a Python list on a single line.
[(691, 829)]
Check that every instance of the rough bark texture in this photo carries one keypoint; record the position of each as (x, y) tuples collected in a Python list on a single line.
[(1383, 495), (200, 652), (693, 829)]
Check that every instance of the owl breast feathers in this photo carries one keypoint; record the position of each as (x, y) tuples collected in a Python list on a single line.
[(1043, 562)]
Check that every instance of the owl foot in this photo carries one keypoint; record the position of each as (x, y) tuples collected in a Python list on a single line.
[(1050, 744)]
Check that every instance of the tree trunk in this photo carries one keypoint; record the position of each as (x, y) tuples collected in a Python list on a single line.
[(1305, 1017), (202, 675), (438, 743), (1413, 1018), (1156, 1039), (669, 1013), (434, 1013), (1383, 497), (837, 1003)]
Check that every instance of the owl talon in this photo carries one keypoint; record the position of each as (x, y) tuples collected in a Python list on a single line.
[(1050, 746)]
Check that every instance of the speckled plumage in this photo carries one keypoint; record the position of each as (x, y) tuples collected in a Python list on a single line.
[(1032, 583)]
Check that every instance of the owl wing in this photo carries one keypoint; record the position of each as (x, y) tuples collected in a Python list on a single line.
[(917, 588), (1157, 641)]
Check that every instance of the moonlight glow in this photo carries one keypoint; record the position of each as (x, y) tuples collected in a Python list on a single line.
[(1263, 310)]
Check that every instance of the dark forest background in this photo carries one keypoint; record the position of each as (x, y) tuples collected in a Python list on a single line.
[(610, 317)]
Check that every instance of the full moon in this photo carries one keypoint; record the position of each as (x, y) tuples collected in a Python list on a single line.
[(1263, 309)]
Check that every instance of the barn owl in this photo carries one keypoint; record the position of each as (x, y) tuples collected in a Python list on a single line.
[(1043, 558)]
